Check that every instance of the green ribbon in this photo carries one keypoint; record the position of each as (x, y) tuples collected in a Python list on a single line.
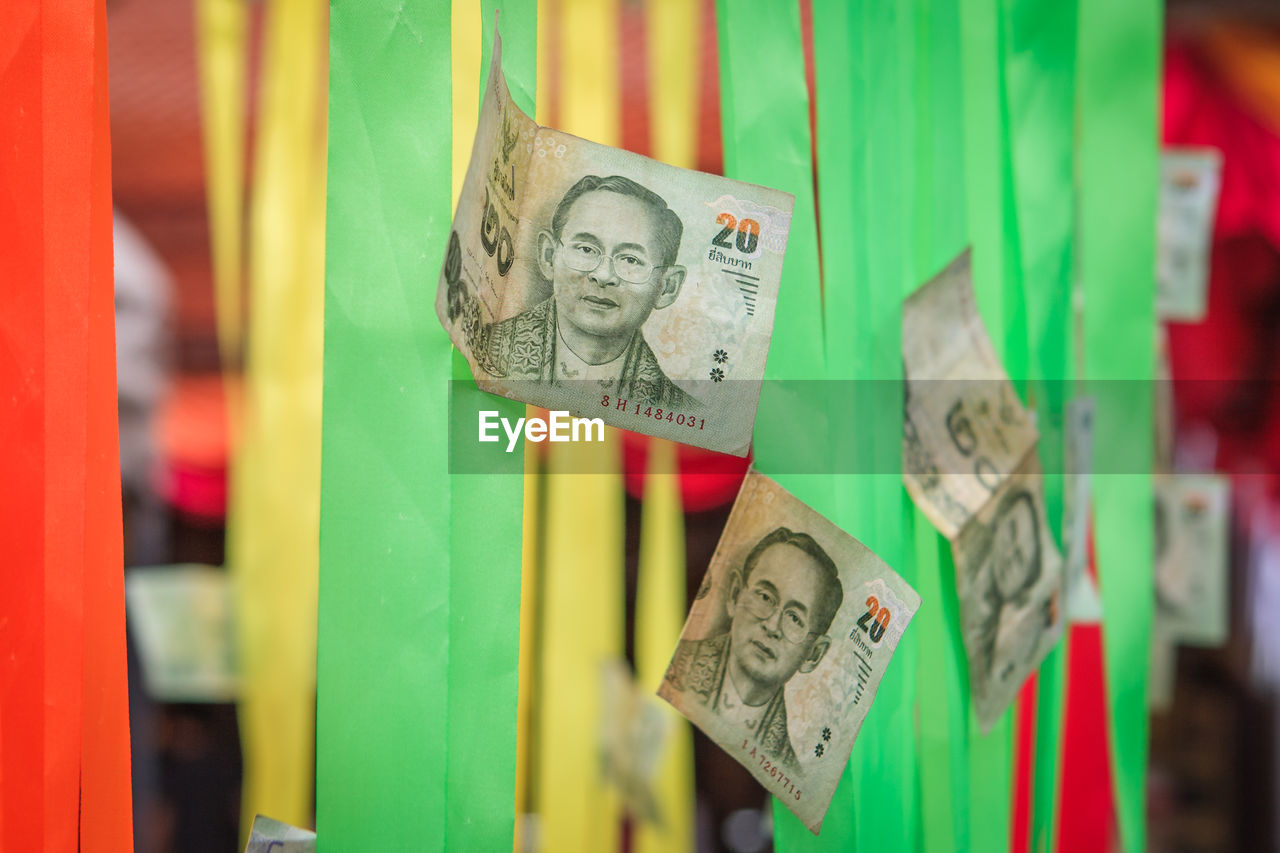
[(383, 637), (875, 508), (765, 126), (418, 617), (1040, 85), (940, 233), (1118, 80), (993, 230), (484, 587)]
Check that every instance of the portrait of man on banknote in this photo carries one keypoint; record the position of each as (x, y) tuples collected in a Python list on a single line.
[(610, 255), (1004, 623), (781, 604)]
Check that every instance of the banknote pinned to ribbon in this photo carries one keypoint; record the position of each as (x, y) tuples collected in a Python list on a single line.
[(786, 644), (181, 618), (970, 464), (634, 733), (1189, 182), (271, 836), (1192, 545), (596, 281)]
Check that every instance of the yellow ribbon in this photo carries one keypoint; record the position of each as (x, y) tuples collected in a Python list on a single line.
[(221, 31), (660, 613), (674, 44), (582, 628), (273, 523), (465, 35), (581, 592), (674, 40), (589, 96)]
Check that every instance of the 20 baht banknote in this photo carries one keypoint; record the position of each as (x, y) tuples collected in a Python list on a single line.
[(588, 279), (965, 429), (970, 464), (786, 643)]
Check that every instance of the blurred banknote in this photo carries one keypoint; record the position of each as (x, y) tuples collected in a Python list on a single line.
[(965, 429), (635, 728), (1189, 182), (1162, 670), (970, 464), (593, 280), (1083, 602), (272, 836), (180, 618), (1009, 579), (786, 643), (1192, 537)]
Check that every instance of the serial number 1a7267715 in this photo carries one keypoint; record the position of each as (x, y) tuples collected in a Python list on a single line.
[(774, 772), (655, 412)]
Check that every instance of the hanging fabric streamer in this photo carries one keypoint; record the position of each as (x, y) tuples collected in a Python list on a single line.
[(64, 734), (273, 517), (766, 140), (105, 793), (1040, 82), (673, 42), (67, 91), (548, 62), (22, 456), (484, 584), (765, 128), (1119, 60), (864, 218), (534, 508), (1087, 783), (468, 75), (383, 659), (588, 69), (222, 41), (944, 700), (532, 545), (886, 775), (530, 628), (940, 233), (582, 630), (775, 107), (581, 574), (660, 613), (993, 232)]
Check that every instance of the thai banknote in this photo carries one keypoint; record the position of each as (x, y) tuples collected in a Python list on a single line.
[(596, 281), (970, 464), (1083, 601), (272, 836), (1162, 671), (965, 429), (1009, 581), (1189, 182), (1192, 538), (786, 643), (635, 730), (181, 619)]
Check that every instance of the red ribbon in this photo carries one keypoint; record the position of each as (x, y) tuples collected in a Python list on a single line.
[(64, 732)]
